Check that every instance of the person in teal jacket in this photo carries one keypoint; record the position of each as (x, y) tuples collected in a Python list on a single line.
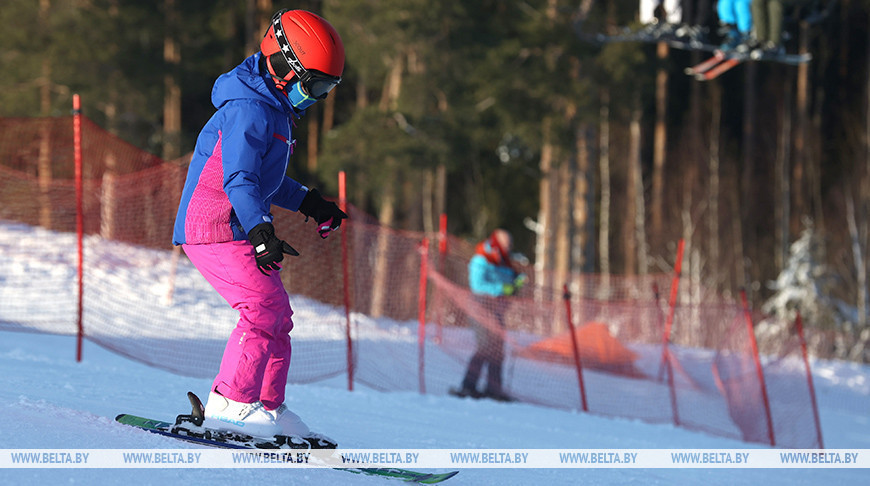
[(736, 19), (491, 278)]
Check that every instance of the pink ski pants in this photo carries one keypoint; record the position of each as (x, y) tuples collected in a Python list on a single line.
[(257, 356)]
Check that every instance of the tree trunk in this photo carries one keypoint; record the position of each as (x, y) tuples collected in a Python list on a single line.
[(257, 16), (864, 201), (313, 144), (635, 251), (660, 138), (582, 249), (604, 174), (440, 190), (698, 149), (43, 167), (411, 215), (800, 170), (751, 214), (543, 242), (564, 221), (172, 90), (380, 274), (328, 106), (392, 87), (857, 239), (251, 24), (427, 197), (813, 157), (713, 193), (783, 181), (108, 198), (386, 215), (362, 99), (736, 208)]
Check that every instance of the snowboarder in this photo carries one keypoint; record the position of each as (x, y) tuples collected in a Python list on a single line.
[(224, 224), (492, 278)]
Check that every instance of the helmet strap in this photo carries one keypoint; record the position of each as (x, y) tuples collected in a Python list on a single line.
[(267, 67)]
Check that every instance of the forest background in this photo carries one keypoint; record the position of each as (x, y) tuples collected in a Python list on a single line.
[(599, 158)]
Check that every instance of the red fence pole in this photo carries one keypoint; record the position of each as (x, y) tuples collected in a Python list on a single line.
[(421, 313), (342, 203), (758, 368), (672, 301), (566, 295), (799, 323), (77, 149), (442, 263), (661, 325), (666, 337)]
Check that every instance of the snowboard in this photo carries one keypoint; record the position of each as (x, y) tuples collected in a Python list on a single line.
[(189, 428)]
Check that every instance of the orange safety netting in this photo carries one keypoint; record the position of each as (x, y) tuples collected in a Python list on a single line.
[(143, 299)]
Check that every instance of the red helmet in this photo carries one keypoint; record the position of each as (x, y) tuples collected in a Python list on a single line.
[(300, 43)]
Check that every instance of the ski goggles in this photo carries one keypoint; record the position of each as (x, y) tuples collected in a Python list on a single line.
[(316, 83)]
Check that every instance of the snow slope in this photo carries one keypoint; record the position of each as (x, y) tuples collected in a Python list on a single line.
[(48, 401)]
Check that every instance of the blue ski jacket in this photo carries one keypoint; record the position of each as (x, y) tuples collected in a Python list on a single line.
[(488, 278), (239, 165)]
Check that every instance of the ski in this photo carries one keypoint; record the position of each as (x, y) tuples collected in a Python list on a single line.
[(681, 37), (694, 39), (722, 62), (781, 57), (693, 45), (208, 437), (728, 62), (189, 428), (753, 55), (164, 428), (706, 65)]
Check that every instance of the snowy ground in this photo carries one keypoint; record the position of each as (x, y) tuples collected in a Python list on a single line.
[(48, 401)]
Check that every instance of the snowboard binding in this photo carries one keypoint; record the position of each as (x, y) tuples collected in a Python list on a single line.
[(197, 413), (191, 425)]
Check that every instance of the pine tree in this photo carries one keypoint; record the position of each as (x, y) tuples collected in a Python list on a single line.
[(805, 286)]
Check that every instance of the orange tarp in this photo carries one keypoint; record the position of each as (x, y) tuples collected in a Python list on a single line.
[(598, 349)]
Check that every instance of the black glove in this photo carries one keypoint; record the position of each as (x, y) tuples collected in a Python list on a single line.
[(326, 213), (268, 249)]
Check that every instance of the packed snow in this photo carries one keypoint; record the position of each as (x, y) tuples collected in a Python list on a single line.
[(50, 401)]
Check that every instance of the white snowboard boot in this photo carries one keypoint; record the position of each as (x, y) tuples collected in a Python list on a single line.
[(289, 422), (247, 418)]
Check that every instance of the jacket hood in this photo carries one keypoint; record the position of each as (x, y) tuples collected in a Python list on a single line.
[(246, 82)]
